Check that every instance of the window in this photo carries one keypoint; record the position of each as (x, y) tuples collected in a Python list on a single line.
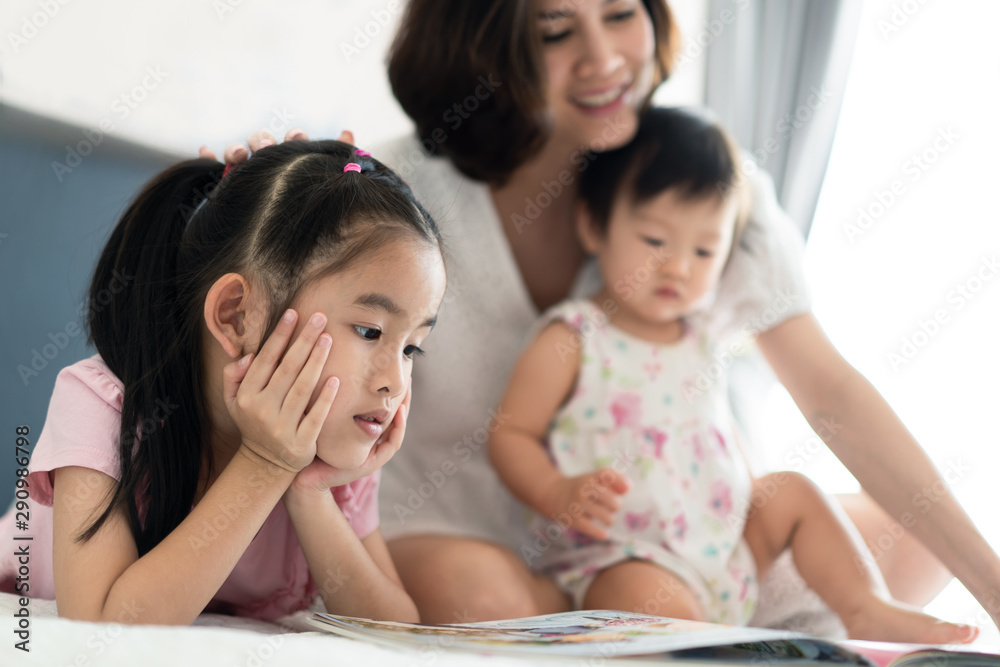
[(904, 250)]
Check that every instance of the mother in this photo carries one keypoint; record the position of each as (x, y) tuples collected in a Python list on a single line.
[(511, 96)]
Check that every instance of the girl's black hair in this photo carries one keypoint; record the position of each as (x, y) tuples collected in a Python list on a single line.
[(287, 216), (673, 148)]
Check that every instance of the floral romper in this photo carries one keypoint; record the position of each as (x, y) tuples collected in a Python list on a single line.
[(659, 414)]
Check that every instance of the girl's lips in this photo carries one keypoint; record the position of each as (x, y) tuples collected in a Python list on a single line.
[(373, 429), (667, 293)]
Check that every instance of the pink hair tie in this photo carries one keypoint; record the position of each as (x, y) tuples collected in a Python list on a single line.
[(352, 166), (358, 151)]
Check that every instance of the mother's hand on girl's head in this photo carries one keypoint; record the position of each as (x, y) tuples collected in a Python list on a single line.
[(236, 152)]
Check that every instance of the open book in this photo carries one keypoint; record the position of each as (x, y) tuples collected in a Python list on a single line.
[(619, 636)]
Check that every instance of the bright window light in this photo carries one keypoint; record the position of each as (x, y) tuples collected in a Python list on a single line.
[(903, 254)]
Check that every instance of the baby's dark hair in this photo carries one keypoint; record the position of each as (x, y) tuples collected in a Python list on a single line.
[(673, 148), (287, 216)]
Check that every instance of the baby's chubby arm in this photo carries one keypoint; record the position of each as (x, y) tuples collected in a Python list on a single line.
[(542, 381)]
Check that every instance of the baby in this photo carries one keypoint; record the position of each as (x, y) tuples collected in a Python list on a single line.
[(611, 436)]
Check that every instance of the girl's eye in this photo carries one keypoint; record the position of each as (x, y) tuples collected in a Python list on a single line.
[(704, 253), (411, 351), (368, 333), (656, 243)]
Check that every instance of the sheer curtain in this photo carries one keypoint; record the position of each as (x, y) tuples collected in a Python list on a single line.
[(776, 74)]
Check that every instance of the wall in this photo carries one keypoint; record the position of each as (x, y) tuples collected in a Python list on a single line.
[(50, 233)]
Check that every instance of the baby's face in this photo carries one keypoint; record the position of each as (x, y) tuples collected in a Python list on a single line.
[(659, 259), (379, 312)]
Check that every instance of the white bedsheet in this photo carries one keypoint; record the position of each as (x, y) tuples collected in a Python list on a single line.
[(219, 641)]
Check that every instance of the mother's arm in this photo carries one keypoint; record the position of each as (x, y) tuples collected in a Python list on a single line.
[(867, 436)]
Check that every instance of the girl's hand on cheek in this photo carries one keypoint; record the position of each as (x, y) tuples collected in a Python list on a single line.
[(319, 476), (267, 394)]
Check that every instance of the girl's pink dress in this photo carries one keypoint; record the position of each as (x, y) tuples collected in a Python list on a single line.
[(272, 578)]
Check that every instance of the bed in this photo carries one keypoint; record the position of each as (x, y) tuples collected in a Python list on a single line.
[(219, 641)]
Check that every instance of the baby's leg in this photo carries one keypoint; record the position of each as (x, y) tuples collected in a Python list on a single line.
[(796, 514), (643, 587)]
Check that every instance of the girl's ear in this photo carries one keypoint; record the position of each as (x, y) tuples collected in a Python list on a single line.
[(227, 311), (590, 236)]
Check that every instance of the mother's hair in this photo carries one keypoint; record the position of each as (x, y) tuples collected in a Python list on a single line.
[(488, 52)]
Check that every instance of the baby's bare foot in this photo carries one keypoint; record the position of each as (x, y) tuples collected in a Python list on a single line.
[(887, 621)]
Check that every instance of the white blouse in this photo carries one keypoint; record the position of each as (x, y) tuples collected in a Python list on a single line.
[(441, 481)]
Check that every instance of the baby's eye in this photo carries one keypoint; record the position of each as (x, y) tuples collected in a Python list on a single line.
[(368, 333), (704, 253), (411, 351), (649, 240)]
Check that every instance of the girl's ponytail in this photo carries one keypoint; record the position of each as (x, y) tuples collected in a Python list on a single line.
[(136, 324), (287, 216)]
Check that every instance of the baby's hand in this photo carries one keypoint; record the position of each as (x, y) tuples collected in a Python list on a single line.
[(267, 397), (580, 502)]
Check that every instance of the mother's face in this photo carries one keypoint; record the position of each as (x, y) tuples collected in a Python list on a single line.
[(599, 60)]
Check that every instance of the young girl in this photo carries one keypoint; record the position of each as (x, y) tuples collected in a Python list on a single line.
[(255, 334), (612, 432)]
